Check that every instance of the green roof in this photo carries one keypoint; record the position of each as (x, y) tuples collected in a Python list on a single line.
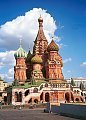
[(29, 84)]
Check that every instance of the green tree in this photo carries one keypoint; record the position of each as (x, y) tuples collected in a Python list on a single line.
[(81, 86), (72, 82), (16, 83), (0, 78), (33, 81)]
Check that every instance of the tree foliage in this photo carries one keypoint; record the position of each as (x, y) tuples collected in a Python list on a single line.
[(0, 78), (72, 82), (16, 83), (81, 86)]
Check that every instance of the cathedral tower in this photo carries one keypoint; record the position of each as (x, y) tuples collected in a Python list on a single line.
[(40, 43), (36, 72), (54, 63), (20, 67)]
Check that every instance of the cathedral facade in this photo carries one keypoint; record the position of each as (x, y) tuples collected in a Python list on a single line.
[(38, 76), (44, 62)]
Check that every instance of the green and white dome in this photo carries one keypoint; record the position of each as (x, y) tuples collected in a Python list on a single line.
[(20, 53)]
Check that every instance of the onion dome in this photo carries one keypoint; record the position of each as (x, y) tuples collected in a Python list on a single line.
[(40, 19), (29, 54), (29, 57), (20, 53), (36, 59), (53, 46)]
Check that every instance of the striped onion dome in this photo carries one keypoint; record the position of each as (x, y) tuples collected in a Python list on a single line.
[(52, 46), (20, 53)]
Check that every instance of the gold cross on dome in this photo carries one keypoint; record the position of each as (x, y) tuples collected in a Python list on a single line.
[(20, 41), (52, 34)]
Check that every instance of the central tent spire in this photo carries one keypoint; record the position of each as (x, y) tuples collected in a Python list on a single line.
[(40, 43)]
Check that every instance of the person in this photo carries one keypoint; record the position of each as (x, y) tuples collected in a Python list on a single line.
[(20, 107), (15, 106), (1, 105)]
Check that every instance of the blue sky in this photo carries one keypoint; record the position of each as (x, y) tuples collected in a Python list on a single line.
[(70, 17)]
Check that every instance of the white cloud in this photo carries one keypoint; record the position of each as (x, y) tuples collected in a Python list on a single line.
[(27, 27), (8, 76), (67, 60), (7, 58), (7, 63), (83, 64), (57, 38), (69, 71)]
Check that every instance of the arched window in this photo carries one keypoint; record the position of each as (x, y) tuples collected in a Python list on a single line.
[(41, 87), (35, 90), (67, 97), (47, 97), (74, 91), (27, 92), (81, 93), (46, 85), (30, 100), (41, 96), (77, 91), (82, 99)]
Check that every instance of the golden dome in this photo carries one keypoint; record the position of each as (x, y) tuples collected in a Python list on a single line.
[(53, 46), (36, 59)]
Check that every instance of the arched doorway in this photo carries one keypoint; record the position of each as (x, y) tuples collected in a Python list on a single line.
[(72, 97), (20, 97), (67, 97), (82, 99), (47, 97), (5, 100), (16, 97), (36, 101), (41, 96), (85, 99), (77, 99)]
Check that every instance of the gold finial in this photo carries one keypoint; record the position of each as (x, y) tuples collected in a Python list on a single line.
[(52, 36), (40, 16)]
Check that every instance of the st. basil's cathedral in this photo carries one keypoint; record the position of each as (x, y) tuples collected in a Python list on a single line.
[(38, 76)]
